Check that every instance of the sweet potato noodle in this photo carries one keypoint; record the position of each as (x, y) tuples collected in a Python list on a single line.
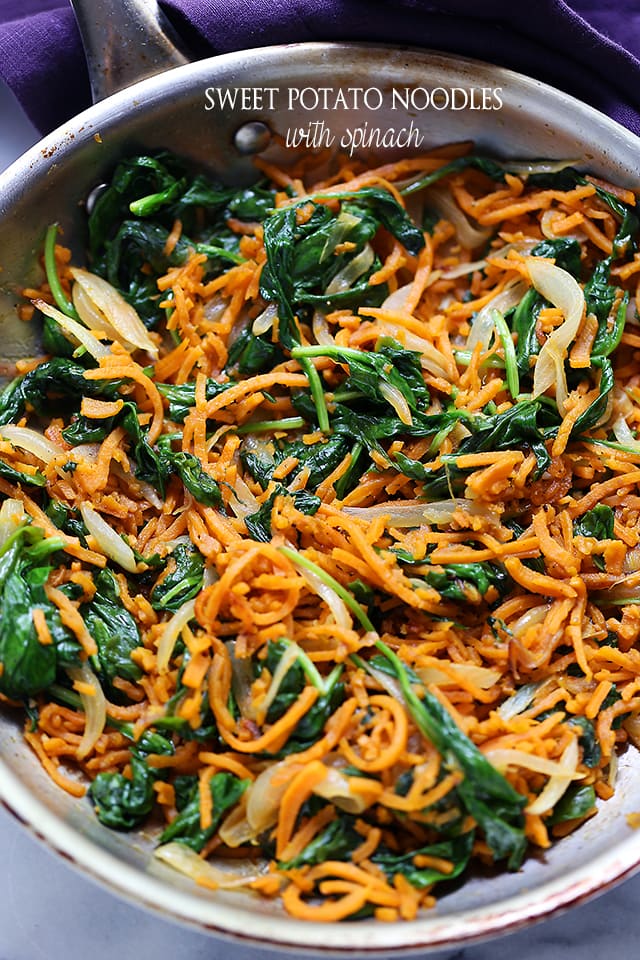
[(319, 537)]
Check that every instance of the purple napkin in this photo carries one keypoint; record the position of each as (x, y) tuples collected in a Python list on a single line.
[(590, 49)]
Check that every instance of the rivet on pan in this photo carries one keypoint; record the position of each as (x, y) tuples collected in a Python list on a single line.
[(93, 196), (252, 137)]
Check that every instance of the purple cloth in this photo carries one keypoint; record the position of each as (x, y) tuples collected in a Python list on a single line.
[(590, 49)]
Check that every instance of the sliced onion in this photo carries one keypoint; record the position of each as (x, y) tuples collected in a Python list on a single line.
[(215, 307), (403, 513), (235, 829), (502, 759), (441, 200), (264, 321), (186, 861), (621, 431), (431, 359), (341, 227), (99, 300), (346, 277), (12, 514), (387, 682), (398, 299), (519, 702), (530, 618), (482, 326), (559, 288), (336, 788), (523, 168), (110, 542), (321, 330), (31, 441), (241, 681), (546, 225), (285, 663), (626, 590), (74, 330), (395, 399), (483, 677), (94, 706), (462, 269), (172, 630), (336, 604), (244, 502), (557, 784), (264, 796)]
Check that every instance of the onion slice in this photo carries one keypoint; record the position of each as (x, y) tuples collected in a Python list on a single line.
[(336, 788), (346, 277), (559, 288), (336, 604), (99, 300), (264, 796), (110, 542), (404, 514), (172, 630), (483, 677), (264, 321), (12, 514), (74, 330), (483, 325), (94, 706), (557, 784), (395, 399), (440, 200), (502, 759), (31, 441), (186, 861)]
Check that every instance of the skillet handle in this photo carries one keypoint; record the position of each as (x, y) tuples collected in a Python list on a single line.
[(125, 41)]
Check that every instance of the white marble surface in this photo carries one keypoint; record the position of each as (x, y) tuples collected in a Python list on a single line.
[(48, 911)]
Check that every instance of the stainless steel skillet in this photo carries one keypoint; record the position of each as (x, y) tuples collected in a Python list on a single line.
[(168, 110)]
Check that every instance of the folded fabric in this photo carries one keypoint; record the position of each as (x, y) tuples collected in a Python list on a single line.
[(590, 49)]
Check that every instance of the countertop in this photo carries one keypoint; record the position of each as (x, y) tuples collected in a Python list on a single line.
[(48, 911)]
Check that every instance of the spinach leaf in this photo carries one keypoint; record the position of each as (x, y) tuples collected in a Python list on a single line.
[(458, 851), (182, 396), (597, 523), (122, 803), (578, 800), (608, 336), (226, 790), (9, 473), (114, 630), (596, 410), (182, 581), (28, 665), (198, 482), (468, 582), (486, 794), (516, 428), (493, 169), (321, 459), (588, 740), (258, 524), (298, 270), (51, 379), (370, 373), (336, 841), (251, 354)]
